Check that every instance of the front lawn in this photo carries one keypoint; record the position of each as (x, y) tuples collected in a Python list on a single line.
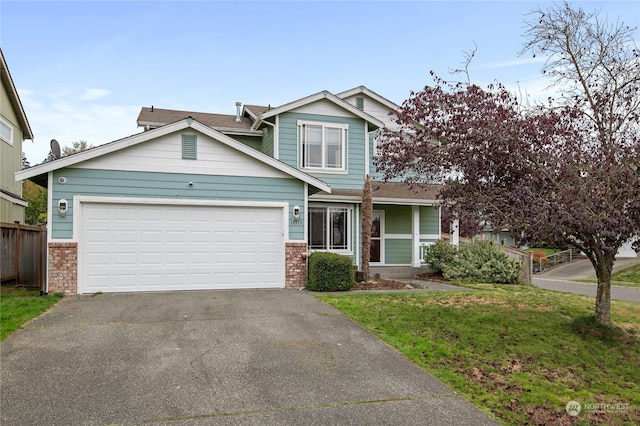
[(520, 353), (17, 306), (628, 277)]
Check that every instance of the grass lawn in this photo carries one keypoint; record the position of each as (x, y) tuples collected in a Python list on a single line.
[(546, 251), (628, 277), (518, 352), (17, 306)]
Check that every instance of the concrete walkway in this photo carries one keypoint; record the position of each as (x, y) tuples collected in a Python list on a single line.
[(277, 357), (563, 278)]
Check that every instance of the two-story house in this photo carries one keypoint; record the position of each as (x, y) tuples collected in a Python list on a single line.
[(212, 201), (14, 129)]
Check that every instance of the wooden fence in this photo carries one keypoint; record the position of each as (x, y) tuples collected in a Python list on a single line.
[(23, 255), (525, 258)]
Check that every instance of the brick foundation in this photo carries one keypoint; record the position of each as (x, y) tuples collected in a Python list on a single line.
[(296, 265), (63, 268)]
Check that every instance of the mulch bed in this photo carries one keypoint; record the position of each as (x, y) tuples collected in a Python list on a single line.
[(382, 284), (388, 284)]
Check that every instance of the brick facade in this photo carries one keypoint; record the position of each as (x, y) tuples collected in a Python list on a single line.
[(63, 268), (296, 265)]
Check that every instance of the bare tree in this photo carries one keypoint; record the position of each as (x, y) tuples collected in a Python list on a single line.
[(596, 65)]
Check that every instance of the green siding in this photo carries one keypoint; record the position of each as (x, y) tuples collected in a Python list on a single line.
[(429, 220), (109, 183), (251, 141), (10, 160), (397, 252), (397, 219), (354, 176), (267, 140)]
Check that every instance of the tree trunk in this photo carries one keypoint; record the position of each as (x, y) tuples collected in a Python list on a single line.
[(604, 268), (367, 208)]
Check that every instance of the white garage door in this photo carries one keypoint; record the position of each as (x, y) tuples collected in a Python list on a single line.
[(135, 247)]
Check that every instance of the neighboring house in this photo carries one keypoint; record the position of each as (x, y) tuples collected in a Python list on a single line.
[(500, 236), (627, 250), (14, 128), (210, 201)]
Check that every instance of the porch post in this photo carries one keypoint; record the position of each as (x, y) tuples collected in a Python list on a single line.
[(415, 228), (455, 231)]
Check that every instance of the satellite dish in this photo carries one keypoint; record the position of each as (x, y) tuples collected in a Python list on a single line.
[(55, 149)]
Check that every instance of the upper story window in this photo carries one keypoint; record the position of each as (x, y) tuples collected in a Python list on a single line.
[(6, 132), (323, 145)]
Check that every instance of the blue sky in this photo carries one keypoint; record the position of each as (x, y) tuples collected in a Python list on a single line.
[(84, 69)]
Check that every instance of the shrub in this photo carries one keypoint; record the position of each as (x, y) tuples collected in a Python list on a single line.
[(438, 254), (539, 256), (483, 261), (330, 272)]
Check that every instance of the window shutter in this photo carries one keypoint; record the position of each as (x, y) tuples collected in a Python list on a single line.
[(189, 147)]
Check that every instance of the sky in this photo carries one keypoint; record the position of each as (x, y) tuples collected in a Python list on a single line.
[(84, 69)]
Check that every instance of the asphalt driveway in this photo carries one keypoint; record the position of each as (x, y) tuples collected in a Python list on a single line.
[(213, 357)]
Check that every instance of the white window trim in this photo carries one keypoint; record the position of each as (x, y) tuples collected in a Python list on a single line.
[(345, 136), (8, 124), (349, 209)]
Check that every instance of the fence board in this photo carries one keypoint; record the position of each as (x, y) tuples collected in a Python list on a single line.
[(23, 252)]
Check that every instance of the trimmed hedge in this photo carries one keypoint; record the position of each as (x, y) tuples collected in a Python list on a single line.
[(330, 272)]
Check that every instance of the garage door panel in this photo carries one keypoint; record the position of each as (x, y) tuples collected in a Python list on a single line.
[(129, 247)]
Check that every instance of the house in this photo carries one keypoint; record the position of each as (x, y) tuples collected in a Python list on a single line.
[(14, 129), (504, 237), (214, 201)]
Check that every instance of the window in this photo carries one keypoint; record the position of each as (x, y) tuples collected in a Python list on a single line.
[(329, 228), (359, 102), (323, 145), (6, 132), (376, 238), (189, 147)]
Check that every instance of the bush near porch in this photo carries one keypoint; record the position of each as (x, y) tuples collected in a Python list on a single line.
[(330, 272)]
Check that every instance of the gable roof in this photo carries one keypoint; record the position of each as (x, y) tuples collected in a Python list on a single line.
[(189, 122), (325, 94), (254, 115), (370, 93), (12, 93), (254, 111)]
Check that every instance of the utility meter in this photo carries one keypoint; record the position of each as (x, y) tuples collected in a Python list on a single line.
[(63, 206)]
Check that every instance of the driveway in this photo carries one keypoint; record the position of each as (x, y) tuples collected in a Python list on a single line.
[(214, 357), (562, 279)]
